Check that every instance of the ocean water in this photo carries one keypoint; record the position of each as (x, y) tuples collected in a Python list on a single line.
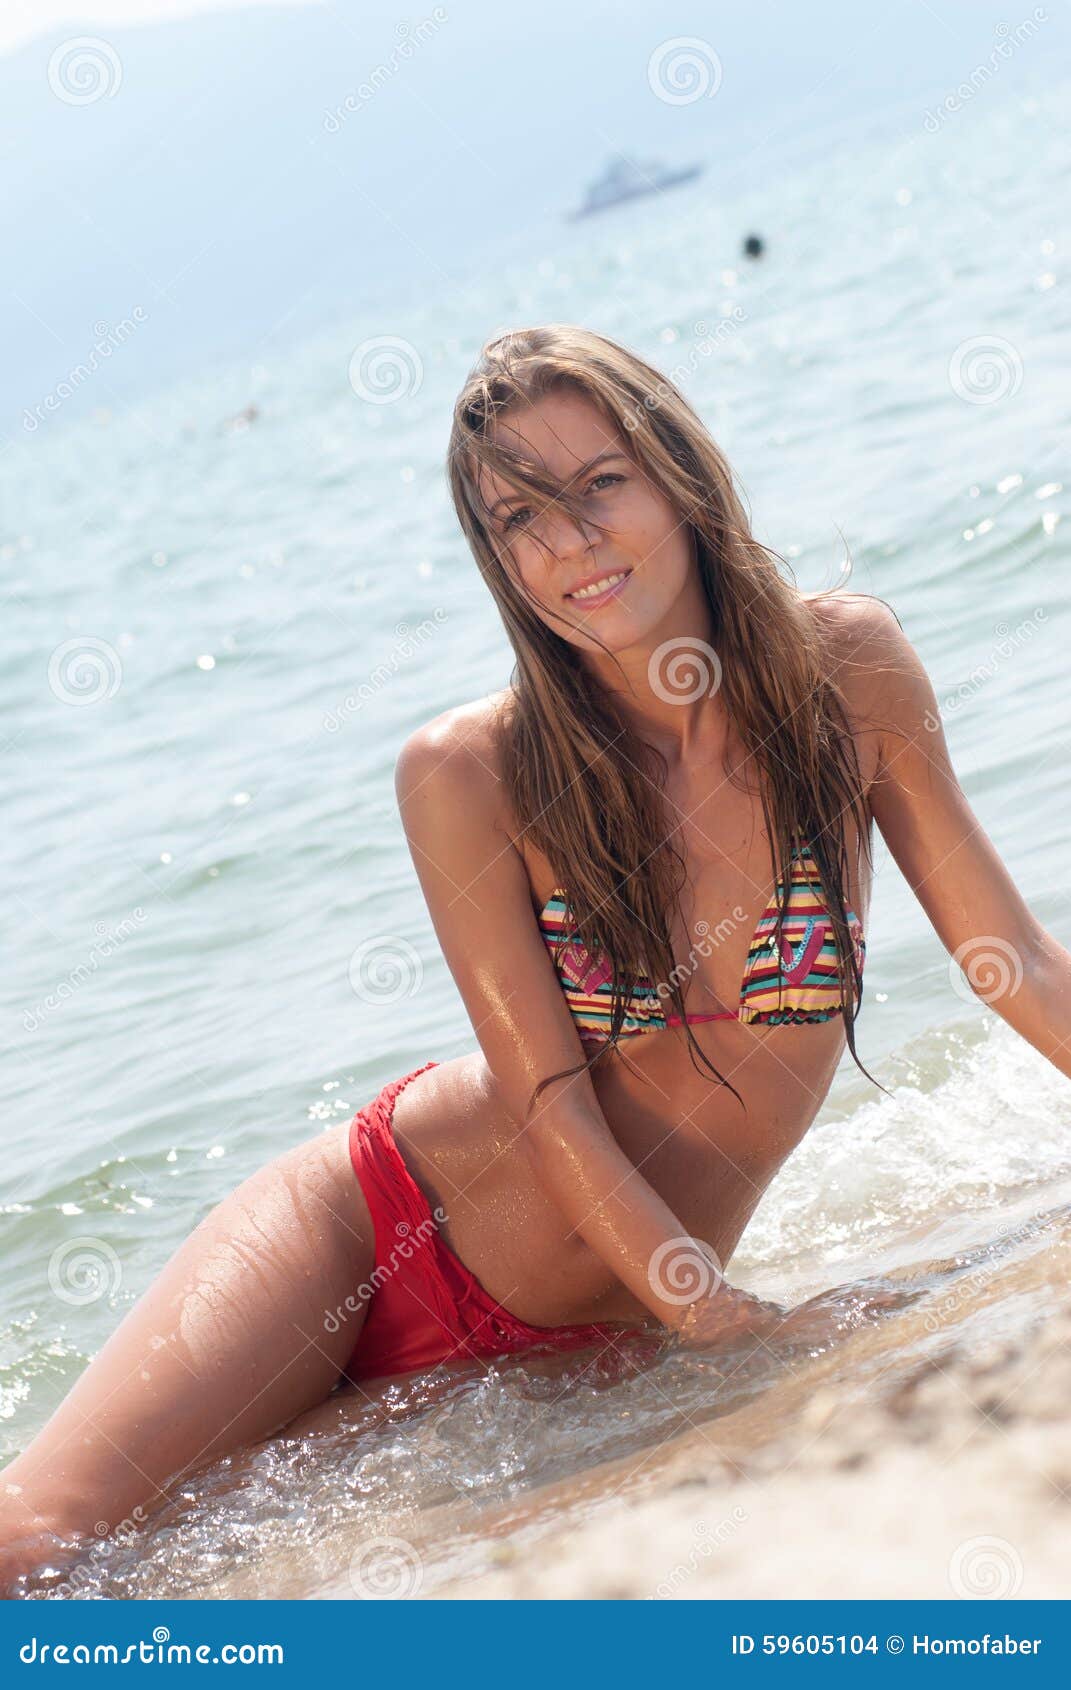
[(221, 625)]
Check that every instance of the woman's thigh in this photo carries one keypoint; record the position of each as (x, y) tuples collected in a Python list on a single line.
[(227, 1345)]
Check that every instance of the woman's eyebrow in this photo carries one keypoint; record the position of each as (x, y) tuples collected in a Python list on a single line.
[(602, 458)]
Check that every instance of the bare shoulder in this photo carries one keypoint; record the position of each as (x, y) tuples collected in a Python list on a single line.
[(458, 751), (856, 624), (866, 645)]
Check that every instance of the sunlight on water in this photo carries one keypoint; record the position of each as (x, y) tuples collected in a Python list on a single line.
[(880, 1235), (430, 1462), (283, 598)]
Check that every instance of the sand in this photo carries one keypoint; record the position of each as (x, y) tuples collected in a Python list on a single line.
[(952, 1483)]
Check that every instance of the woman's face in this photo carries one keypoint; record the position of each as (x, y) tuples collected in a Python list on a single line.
[(551, 559)]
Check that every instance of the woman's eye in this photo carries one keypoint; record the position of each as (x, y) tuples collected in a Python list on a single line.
[(523, 514)]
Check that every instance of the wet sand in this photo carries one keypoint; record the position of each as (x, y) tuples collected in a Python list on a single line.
[(906, 1433), (853, 1477)]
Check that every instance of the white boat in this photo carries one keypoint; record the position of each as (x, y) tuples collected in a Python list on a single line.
[(629, 179)]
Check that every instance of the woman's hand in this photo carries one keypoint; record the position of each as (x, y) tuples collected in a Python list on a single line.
[(26, 1545), (727, 1315)]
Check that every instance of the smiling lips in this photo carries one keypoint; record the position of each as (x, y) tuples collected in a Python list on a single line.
[(600, 587)]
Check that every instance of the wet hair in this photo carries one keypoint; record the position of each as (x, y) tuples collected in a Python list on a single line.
[(584, 786)]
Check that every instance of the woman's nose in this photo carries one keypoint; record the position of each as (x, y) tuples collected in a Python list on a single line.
[(567, 538)]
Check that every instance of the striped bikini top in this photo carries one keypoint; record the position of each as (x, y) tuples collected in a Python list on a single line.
[(801, 985)]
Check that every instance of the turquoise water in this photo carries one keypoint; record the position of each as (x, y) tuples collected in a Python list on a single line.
[(219, 632)]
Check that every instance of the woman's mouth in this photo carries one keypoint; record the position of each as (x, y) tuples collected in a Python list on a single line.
[(597, 592)]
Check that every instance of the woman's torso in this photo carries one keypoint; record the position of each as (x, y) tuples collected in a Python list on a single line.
[(707, 1159)]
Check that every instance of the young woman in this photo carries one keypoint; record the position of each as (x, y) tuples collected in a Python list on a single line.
[(648, 864)]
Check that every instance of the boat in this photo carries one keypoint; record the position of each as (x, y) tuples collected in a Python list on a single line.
[(628, 179)]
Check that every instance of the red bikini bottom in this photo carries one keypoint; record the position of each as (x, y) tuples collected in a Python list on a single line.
[(424, 1305)]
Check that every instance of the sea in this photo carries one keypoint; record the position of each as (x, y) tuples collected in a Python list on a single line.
[(227, 604)]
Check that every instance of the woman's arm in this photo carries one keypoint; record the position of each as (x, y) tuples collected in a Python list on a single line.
[(477, 891), (1009, 960)]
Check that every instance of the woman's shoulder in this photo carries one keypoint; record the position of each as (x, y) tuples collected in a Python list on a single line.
[(870, 659), (862, 636), (852, 619), (461, 746)]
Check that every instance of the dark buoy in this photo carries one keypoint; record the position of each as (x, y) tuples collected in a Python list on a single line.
[(242, 419), (753, 246)]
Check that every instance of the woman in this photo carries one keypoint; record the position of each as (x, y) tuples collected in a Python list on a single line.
[(648, 864)]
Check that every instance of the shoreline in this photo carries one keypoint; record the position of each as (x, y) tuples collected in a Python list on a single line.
[(950, 1480)]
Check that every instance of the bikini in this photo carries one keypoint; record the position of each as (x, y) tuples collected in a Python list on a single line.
[(800, 984), (423, 1306)]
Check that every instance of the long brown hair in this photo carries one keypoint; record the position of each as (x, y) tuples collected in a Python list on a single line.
[(583, 784)]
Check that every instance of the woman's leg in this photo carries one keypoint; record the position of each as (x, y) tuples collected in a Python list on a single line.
[(245, 1328)]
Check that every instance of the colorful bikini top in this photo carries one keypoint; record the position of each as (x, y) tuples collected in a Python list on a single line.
[(801, 985)]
